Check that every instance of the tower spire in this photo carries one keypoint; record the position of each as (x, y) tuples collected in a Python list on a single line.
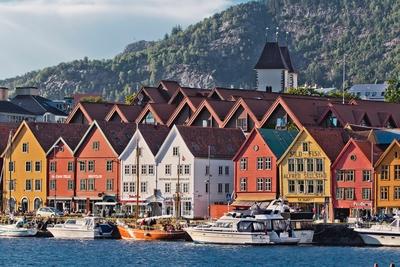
[(266, 33), (277, 33)]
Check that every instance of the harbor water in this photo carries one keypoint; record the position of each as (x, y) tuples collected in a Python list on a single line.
[(51, 252)]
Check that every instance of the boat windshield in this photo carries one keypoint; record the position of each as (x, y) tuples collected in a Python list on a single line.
[(249, 226), (223, 224), (395, 223)]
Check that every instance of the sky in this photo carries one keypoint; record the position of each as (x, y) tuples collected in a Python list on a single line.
[(41, 33)]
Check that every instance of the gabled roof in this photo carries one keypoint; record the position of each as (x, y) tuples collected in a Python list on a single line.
[(233, 94), (37, 105), (154, 135), (224, 143), (278, 141), (116, 134), (384, 136), (161, 112), (192, 102), (325, 136), (127, 113), (170, 86), (189, 92), (10, 107), (218, 109), (91, 111), (5, 130), (71, 137), (272, 57), (388, 149)]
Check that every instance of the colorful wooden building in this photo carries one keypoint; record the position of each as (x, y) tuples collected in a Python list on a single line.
[(256, 171)]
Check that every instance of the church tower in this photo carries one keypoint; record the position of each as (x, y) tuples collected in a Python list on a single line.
[(274, 69)]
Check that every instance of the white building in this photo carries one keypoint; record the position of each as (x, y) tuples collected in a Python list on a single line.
[(369, 91), (203, 156), (148, 138), (274, 69)]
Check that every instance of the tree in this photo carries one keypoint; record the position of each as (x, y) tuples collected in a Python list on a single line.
[(339, 94), (93, 99), (129, 98), (392, 93), (304, 90)]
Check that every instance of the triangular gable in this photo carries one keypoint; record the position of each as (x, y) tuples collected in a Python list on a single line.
[(205, 106), (79, 109), (386, 152), (179, 108), (149, 109), (245, 143), (280, 102), (344, 149), (327, 112), (115, 111), (60, 139), (240, 103), (22, 125)]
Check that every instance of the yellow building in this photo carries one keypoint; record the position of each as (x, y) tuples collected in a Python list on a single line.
[(305, 170), (387, 180), (25, 179)]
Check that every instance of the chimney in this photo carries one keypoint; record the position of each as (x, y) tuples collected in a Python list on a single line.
[(3, 93), (26, 90)]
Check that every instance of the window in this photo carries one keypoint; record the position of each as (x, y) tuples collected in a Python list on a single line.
[(241, 123), (268, 184), (268, 163), (397, 192), (96, 145), (167, 169), (366, 175), (132, 187), (70, 166), (70, 185), (167, 187), (310, 165), (175, 151), (350, 176), (187, 208), (134, 169), (25, 147), (220, 170), (28, 166), (340, 175), (11, 185), (91, 165), (291, 165), (207, 170), (385, 172), (38, 185), (110, 185), (143, 187), (38, 166), (220, 188), (82, 166), (144, 169), (180, 169), (151, 169), (366, 193), (185, 188), (83, 184), (320, 187), (226, 188), (349, 193), (187, 169), (127, 169), (206, 187), (396, 172), (243, 184), (11, 166), (109, 165), (52, 184), (91, 185), (260, 184), (260, 163), (339, 193), (310, 186), (226, 170), (300, 165), (291, 186), (300, 186), (305, 147), (243, 164), (319, 165), (125, 187), (53, 166)]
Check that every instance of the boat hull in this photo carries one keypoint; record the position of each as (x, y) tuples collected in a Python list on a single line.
[(63, 233), (17, 232), (306, 236), (379, 239), (125, 232), (236, 238), (142, 234)]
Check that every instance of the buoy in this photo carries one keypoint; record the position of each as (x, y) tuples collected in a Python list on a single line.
[(376, 265)]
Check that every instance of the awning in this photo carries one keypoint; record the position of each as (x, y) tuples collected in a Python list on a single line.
[(105, 203), (153, 198), (249, 200)]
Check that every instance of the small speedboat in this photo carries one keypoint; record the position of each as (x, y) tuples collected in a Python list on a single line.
[(18, 229), (230, 230), (380, 234), (82, 228)]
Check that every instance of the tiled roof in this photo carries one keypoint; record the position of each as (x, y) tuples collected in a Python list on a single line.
[(156, 95), (221, 108), (271, 57), (10, 107), (37, 105), (97, 111), (330, 140), (131, 112), (286, 56), (365, 147), (118, 134), (170, 86), (278, 141), (232, 94), (258, 107), (154, 135), (5, 129), (224, 142), (73, 135), (385, 137)]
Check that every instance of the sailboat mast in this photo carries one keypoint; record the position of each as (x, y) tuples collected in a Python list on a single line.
[(178, 201), (9, 169), (137, 180)]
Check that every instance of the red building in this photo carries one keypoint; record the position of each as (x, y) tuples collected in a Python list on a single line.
[(352, 174), (256, 172), (98, 171), (61, 170)]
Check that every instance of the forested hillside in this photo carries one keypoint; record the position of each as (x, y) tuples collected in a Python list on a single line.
[(223, 49)]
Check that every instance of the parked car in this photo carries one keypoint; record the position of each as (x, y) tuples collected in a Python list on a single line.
[(48, 212)]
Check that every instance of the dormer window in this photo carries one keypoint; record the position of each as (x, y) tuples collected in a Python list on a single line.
[(96, 145), (149, 119), (241, 123), (281, 123), (305, 147), (25, 147), (175, 151)]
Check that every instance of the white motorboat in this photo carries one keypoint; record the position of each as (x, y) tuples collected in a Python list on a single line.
[(230, 230), (18, 229), (380, 234), (82, 228), (279, 230)]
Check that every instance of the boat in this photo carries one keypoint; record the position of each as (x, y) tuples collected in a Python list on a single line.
[(150, 230), (18, 229), (381, 234), (82, 228), (230, 229)]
